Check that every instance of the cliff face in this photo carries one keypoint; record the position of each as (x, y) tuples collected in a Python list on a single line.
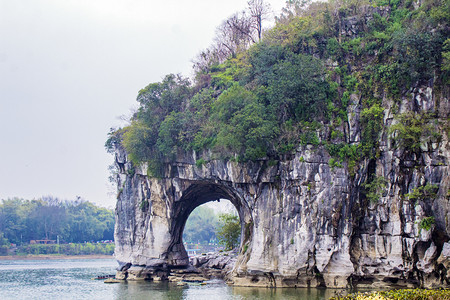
[(310, 219), (304, 222)]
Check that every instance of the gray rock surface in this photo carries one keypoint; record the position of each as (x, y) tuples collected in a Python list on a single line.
[(304, 222)]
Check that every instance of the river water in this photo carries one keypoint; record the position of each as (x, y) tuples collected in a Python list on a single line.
[(71, 279)]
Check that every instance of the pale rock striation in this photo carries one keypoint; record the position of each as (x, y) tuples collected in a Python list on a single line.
[(304, 222)]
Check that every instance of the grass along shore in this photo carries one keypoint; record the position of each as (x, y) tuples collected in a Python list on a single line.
[(400, 294), (59, 249), (54, 256)]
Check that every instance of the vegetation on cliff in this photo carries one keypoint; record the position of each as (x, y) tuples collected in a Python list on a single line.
[(299, 85)]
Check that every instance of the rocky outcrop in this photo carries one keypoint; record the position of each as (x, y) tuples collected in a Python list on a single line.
[(304, 222), (215, 265)]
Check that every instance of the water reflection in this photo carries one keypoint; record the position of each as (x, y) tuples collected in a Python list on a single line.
[(284, 293), (71, 279), (147, 290)]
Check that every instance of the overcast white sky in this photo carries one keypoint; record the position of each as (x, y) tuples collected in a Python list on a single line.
[(70, 68)]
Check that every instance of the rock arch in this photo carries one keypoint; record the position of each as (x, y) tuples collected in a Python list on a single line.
[(304, 222), (200, 193)]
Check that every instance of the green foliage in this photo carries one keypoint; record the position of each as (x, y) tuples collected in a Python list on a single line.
[(374, 189), (25, 220), (426, 223), (296, 89), (309, 137), (426, 192), (403, 294), (154, 133), (333, 163), (137, 139), (261, 104), (67, 249), (333, 47), (243, 126), (372, 125), (272, 163), (343, 152), (200, 162), (229, 230), (416, 54), (414, 130), (201, 226), (4, 245), (168, 135), (231, 71), (408, 50)]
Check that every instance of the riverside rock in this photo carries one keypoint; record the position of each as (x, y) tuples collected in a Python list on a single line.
[(304, 222)]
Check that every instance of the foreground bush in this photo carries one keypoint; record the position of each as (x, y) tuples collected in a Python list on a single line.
[(406, 294)]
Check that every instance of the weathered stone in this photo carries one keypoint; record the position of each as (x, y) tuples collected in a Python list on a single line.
[(304, 223)]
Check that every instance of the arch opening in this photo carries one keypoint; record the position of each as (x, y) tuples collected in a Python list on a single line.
[(195, 196), (201, 232)]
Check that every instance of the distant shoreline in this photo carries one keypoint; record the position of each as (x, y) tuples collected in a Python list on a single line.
[(54, 256)]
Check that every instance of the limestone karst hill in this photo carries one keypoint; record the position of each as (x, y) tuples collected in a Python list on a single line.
[(330, 136)]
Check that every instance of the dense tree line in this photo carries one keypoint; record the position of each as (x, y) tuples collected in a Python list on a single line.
[(201, 226), (204, 226), (295, 85), (50, 218)]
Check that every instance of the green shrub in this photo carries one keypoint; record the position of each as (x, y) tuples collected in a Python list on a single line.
[(423, 192), (426, 223), (402, 294), (229, 230), (334, 163), (200, 162), (375, 189), (413, 130), (372, 125)]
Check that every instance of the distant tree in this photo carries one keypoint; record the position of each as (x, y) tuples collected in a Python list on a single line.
[(293, 8), (259, 11), (47, 218), (229, 230), (13, 218), (234, 35), (200, 226), (159, 104), (4, 245)]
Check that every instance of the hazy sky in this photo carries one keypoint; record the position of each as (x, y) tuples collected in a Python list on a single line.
[(70, 68)]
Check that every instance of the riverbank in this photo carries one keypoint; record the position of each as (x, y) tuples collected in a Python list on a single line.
[(410, 294), (54, 256)]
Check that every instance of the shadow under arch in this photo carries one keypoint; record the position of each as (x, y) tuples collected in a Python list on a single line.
[(195, 195)]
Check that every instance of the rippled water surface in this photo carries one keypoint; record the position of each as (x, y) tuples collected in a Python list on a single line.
[(71, 279)]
